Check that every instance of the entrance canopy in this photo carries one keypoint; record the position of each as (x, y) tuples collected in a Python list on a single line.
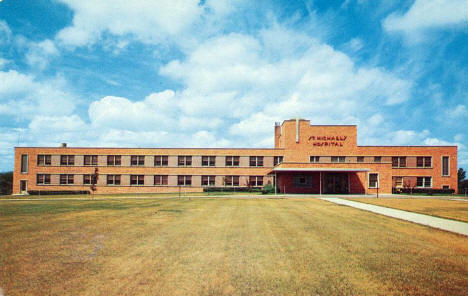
[(279, 169)]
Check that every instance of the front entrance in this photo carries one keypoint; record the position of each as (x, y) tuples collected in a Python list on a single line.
[(336, 183), (23, 186)]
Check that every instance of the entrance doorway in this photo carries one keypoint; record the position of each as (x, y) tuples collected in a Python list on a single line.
[(336, 183), (23, 186)]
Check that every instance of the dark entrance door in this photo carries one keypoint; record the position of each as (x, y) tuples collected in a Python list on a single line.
[(23, 186), (336, 183)]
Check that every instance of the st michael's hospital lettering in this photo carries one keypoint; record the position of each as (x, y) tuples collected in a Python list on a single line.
[(334, 141)]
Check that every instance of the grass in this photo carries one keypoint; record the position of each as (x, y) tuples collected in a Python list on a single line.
[(125, 195), (444, 208), (221, 246)]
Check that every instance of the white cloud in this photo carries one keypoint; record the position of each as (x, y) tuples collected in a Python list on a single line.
[(47, 124), (429, 14), (40, 53), (23, 97), (5, 33), (457, 112), (147, 21)]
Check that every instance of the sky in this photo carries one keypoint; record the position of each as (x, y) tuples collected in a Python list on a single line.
[(191, 73)]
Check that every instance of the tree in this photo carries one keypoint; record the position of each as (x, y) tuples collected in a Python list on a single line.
[(94, 180), (461, 178), (6, 183)]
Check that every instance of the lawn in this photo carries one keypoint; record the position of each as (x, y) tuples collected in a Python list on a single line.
[(222, 246), (444, 208)]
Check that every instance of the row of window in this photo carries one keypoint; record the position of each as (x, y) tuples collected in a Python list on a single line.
[(138, 180), (420, 182), (397, 161), (159, 160)]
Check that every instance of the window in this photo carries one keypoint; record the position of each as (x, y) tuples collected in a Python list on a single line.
[(24, 163), (302, 181), (425, 182), (208, 160), (42, 179), (256, 181), (373, 180), (185, 160), (315, 159), (90, 160), (445, 166), (89, 179), (208, 180), (424, 161), (44, 159), (360, 159), (160, 179), (399, 182), (399, 161), (277, 160), (338, 159), (445, 187), (114, 160), (66, 179), (256, 161), (184, 180), (67, 159), (113, 179), (137, 180), (232, 160), (231, 180), (137, 160), (377, 158), (160, 160)]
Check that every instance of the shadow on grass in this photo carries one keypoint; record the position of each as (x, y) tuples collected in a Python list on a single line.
[(52, 207)]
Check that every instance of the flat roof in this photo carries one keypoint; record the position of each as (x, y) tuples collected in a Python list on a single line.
[(321, 170)]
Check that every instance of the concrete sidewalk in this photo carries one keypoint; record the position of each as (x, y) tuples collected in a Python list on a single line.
[(444, 224)]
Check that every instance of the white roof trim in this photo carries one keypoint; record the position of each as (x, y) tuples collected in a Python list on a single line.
[(321, 170)]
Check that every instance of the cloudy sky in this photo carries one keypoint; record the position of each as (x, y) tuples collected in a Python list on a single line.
[(219, 73)]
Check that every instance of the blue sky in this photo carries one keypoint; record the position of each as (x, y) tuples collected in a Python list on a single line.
[(183, 73)]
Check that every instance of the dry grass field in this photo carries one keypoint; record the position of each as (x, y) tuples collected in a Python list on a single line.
[(223, 246), (444, 208)]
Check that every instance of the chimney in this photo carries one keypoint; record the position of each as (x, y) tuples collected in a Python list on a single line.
[(63, 145)]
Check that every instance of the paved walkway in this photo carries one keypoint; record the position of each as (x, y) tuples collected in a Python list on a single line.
[(441, 223)]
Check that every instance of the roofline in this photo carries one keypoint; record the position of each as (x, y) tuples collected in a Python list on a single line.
[(407, 146), (321, 169), (167, 148)]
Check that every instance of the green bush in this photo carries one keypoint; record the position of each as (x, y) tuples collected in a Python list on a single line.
[(268, 189)]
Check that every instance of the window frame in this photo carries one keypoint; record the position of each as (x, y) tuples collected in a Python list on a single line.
[(338, 159), (208, 180), (69, 160), (184, 160), (256, 161), (360, 159), (114, 160), (114, 180), (45, 179), (232, 181), (208, 161), (232, 161), (377, 159), (66, 179), (377, 182), (277, 160), (314, 159), (136, 160), (90, 160), (184, 180), (161, 160), (256, 181), (443, 166), (160, 180), (426, 161), (44, 160), (424, 181), (139, 180)]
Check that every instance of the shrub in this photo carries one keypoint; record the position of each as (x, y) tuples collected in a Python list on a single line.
[(268, 189)]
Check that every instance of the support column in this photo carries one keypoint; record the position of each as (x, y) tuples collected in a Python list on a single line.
[(320, 183)]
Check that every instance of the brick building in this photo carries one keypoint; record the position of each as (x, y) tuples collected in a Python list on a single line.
[(306, 159)]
